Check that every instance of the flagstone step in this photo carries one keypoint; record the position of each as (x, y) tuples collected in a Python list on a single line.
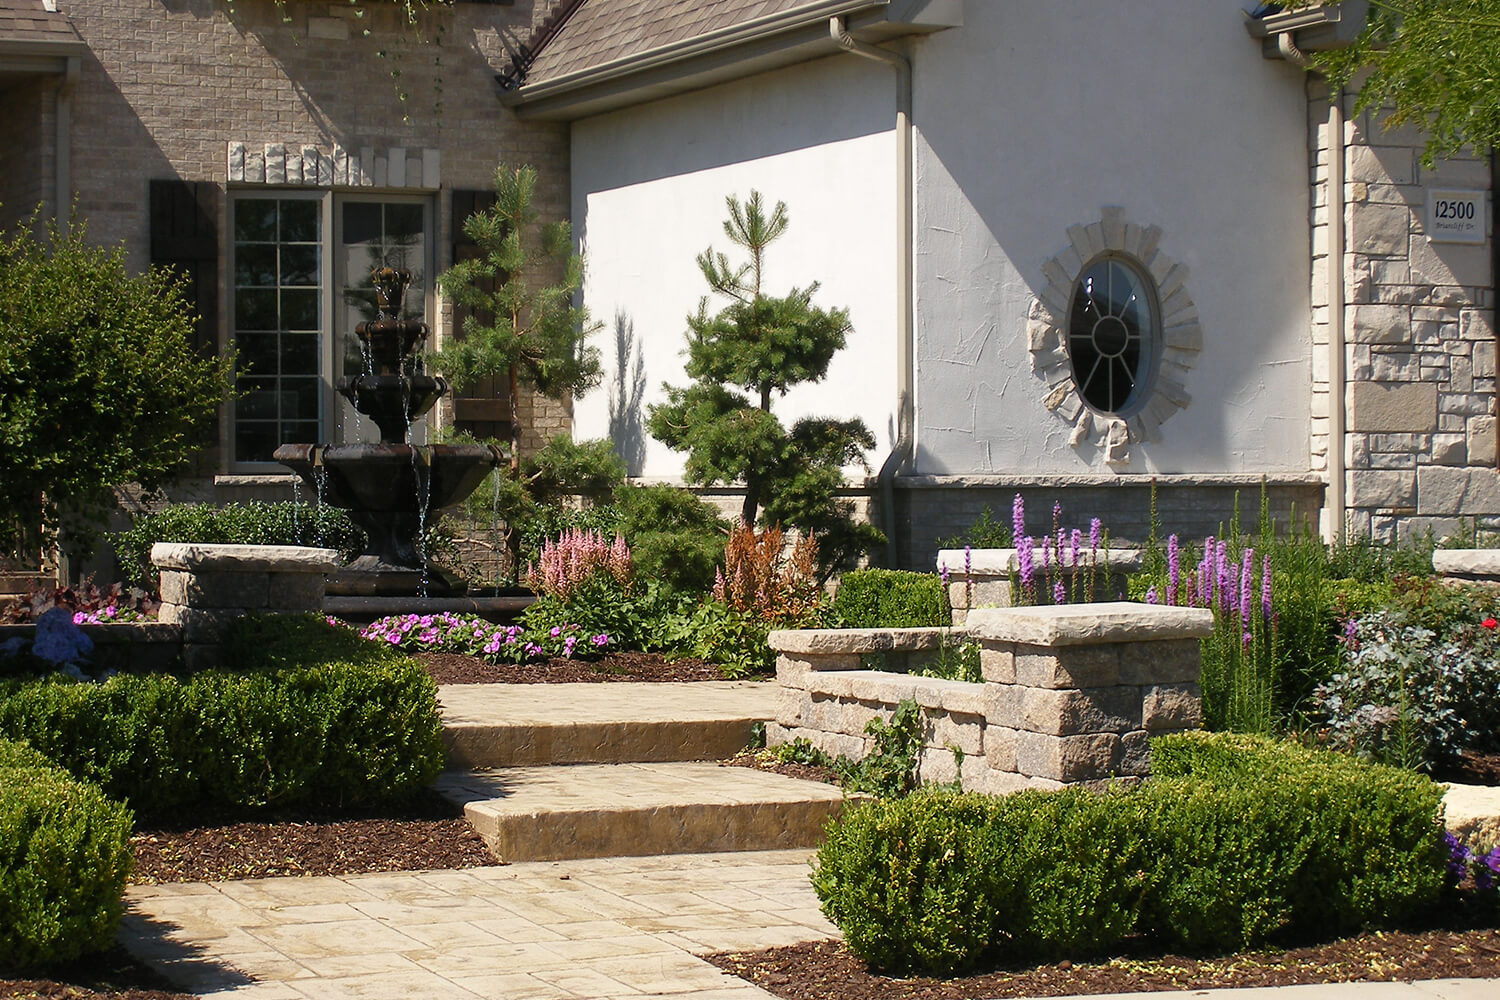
[(518, 725), (634, 809)]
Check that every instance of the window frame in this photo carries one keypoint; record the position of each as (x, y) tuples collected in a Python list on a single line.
[(1150, 340)]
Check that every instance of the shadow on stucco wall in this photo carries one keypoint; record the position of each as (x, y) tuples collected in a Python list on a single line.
[(627, 392)]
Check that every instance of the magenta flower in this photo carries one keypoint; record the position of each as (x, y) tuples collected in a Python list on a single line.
[(1265, 587), (1094, 530), (1017, 520), (1059, 593), (1247, 569), (1073, 548)]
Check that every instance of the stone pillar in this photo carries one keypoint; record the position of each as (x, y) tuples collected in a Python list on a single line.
[(206, 587), (1073, 691), (981, 578)]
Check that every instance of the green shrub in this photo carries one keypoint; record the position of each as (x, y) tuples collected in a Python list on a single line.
[(940, 883), (278, 731), (1236, 842), (1264, 839), (64, 857), (888, 598), (675, 538), (234, 524)]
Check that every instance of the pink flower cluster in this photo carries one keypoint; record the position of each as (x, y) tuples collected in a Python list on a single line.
[(574, 557)]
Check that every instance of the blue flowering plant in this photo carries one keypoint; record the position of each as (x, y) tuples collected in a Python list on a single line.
[(470, 635)]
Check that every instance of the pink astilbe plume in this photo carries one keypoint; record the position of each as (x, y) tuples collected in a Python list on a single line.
[(564, 564)]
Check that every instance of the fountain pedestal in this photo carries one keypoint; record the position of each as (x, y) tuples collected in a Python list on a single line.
[(392, 489)]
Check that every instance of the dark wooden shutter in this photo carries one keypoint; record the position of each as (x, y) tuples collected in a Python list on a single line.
[(485, 410), (185, 237)]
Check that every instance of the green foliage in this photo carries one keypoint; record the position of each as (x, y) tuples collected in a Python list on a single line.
[(939, 884), (1237, 842), (756, 347), (887, 598), (674, 537), (284, 728), (530, 333), (64, 858), (1263, 840), (1429, 63), (984, 533), (889, 770), (253, 523), (733, 639), (99, 386)]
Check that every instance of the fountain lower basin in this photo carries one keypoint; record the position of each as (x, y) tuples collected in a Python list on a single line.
[(392, 491)]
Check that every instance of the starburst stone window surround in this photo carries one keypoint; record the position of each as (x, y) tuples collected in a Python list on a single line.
[(1169, 346)]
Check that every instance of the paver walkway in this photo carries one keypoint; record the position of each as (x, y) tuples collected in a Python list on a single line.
[(605, 929)]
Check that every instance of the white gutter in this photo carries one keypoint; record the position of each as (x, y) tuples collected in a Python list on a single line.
[(905, 444)]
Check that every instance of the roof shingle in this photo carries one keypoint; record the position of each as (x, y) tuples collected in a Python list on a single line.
[(602, 31), (30, 21)]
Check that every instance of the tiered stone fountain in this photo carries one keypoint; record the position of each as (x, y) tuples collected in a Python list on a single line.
[(393, 489)]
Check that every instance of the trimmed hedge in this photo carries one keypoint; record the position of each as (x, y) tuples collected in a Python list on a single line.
[(64, 858), (890, 598), (1237, 842), (294, 724), (254, 523)]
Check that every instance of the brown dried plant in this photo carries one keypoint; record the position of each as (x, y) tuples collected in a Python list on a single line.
[(762, 578)]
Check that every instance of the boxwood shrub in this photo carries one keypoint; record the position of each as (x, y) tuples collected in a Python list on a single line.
[(888, 598), (254, 523), (1235, 843), (292, 723), (64, 857)]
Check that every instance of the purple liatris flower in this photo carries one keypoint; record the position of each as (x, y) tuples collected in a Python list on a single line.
[(943, 573), (1095, 526), (1059, 593), (1073, 547), (1246, 639), (1047, 553), (1265, 587), (1174, 568), (1023, 560), (1056, 514), (1247, 568), (1017, 520), (1151, 595)]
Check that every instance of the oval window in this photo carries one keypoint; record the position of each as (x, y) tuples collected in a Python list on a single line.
[(1112, 332)]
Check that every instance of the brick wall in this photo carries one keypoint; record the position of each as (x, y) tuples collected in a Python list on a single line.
[(167, 86), (26, 155), (1419, 443)]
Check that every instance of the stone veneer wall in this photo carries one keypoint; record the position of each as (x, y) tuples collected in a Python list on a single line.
[(1420, 350), (1071, 693), (933, 509)]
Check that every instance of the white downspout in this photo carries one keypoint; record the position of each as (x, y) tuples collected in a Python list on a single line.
[(1333, 524), (905, 444)]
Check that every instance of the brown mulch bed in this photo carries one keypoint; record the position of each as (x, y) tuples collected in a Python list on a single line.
[(825, 970), (110, 975), (761, 761), (430, 833), (453, 668)]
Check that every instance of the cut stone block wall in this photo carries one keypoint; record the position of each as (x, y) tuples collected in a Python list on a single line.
[(1467, 565), (205, 588), (981, 578), (1071, 693)]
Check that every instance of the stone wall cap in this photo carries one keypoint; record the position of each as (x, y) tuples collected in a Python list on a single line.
[(1467, 562), (1003, 562), (1089, 624), (862, 640), (194, 557)]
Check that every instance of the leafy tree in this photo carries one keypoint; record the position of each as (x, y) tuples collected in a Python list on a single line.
[(1434, 64), (99, 386), (518, 325), (755, 348)]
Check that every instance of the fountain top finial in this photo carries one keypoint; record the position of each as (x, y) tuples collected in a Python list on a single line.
[(390, 290)]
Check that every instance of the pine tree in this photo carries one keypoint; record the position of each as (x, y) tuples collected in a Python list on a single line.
[(532, 333), (740, 358)]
